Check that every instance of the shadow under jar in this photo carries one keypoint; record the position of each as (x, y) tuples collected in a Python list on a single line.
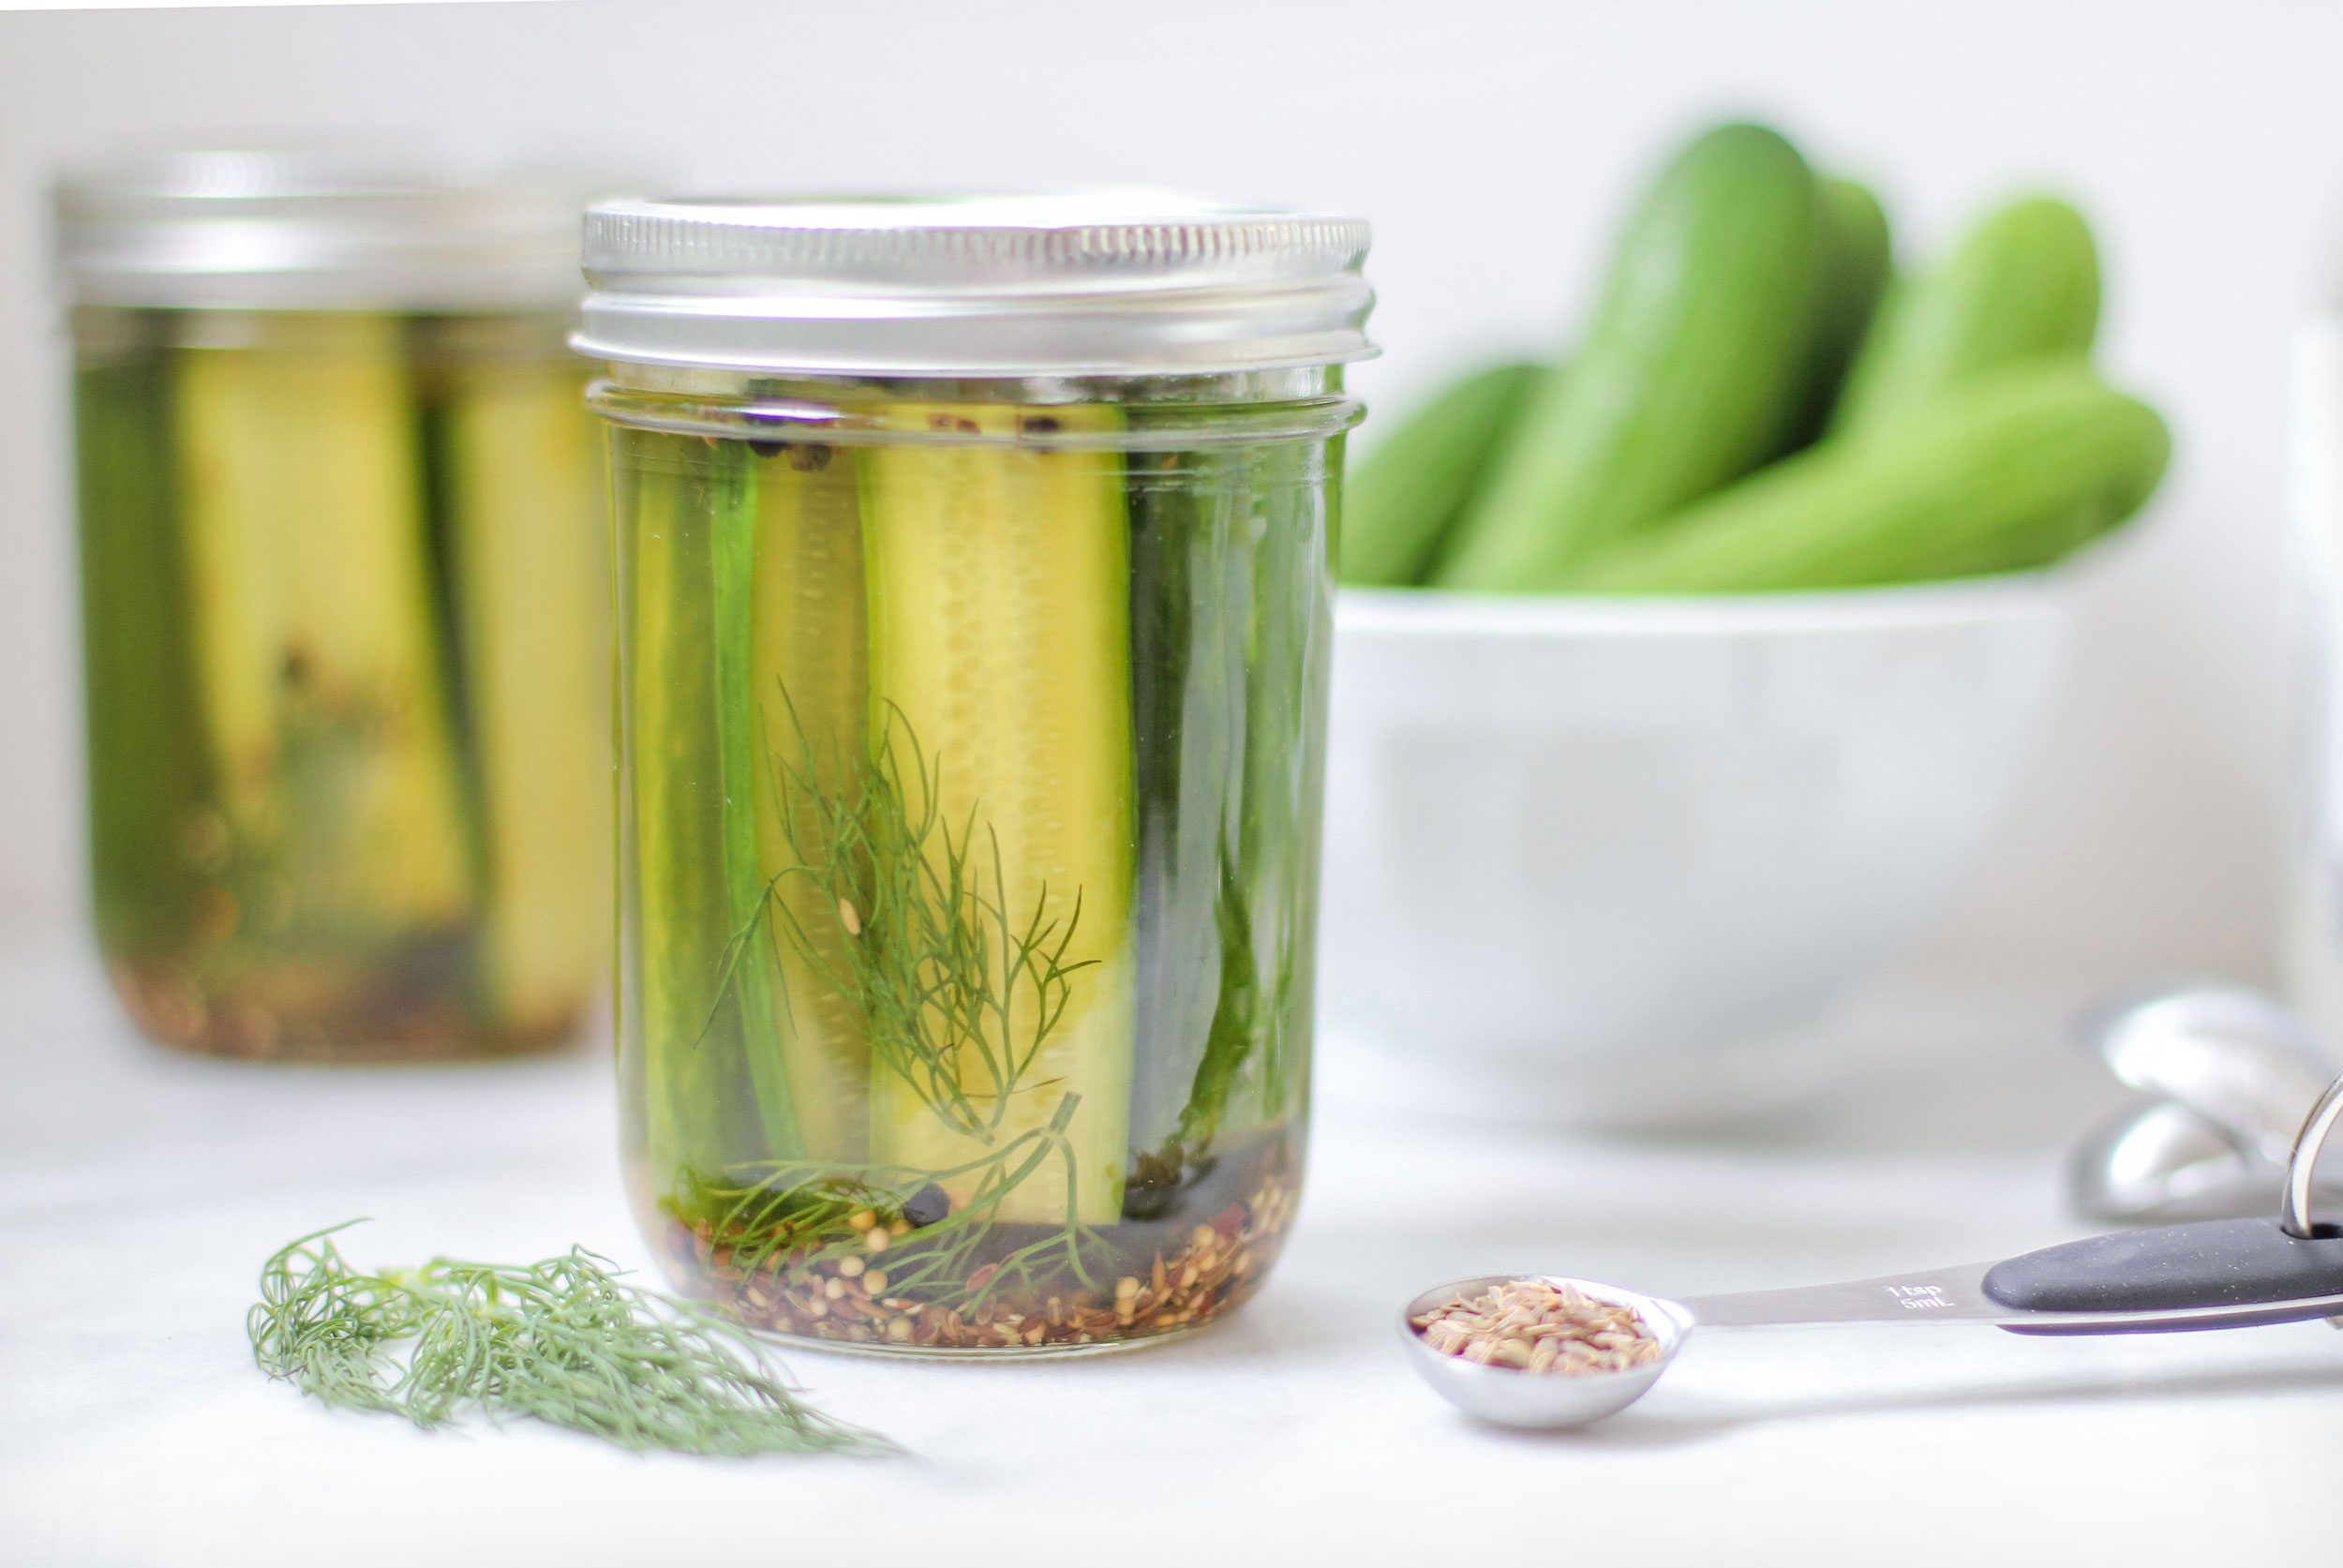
[(971, 571), (344, 591)]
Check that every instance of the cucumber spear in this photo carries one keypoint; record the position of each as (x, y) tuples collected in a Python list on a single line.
[(999, 582)]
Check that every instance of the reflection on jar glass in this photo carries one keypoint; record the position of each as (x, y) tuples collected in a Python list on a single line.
[(344, 602), (971, 730)]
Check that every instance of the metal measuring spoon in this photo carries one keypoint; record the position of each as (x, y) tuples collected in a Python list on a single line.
[(2162, 1161), (2229, 1072), (2211, 1273)]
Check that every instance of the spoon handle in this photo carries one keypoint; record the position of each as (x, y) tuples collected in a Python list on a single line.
[(2248, 1271), (1934, 1295), (2216, 1274)]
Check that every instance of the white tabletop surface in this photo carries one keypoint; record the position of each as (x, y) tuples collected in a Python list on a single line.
[(140, 1190)]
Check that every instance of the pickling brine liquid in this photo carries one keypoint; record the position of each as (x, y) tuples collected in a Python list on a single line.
[(968, 812), (344, 601)]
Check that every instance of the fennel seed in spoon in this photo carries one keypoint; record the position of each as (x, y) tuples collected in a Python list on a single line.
[(1535, 1326)]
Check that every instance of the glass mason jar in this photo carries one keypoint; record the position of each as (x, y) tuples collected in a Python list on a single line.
[(344, 600), (972, 628)]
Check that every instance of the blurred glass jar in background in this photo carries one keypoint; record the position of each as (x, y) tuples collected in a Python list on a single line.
[(972, 584), (344, 604)]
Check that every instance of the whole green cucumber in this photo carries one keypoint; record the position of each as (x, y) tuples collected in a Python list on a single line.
[(1684, 380), (2022, 284), (1855, 262), (2010, 472), (1402, 501)]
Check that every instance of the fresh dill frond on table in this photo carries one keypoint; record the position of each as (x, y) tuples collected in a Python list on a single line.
[(565, 1340)]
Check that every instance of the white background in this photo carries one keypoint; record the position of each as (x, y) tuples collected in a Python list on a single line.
[(1491, 145), (139, 1188)]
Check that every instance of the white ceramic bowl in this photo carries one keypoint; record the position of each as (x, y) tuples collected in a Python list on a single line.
[(1607, 862)]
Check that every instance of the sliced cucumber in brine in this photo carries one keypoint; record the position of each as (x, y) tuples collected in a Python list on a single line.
[(808, 658), (527, 535), (1191, 587), (1279, 836), (314, 637), (148, 756), (1000, 633), (716, 1094)]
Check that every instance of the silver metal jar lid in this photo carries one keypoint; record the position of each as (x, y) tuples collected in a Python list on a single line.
[(320, 229), (1108, 283)]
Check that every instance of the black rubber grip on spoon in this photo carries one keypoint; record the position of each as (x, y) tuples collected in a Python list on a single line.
[(2215, 1262)]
